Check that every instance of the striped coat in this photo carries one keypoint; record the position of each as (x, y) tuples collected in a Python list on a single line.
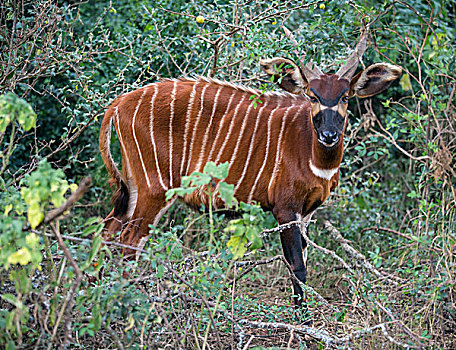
[(284, 152), (172, 128)]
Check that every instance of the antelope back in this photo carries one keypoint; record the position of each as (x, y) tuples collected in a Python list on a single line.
[(173, 128)]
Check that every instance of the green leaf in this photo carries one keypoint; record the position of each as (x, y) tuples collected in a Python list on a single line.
[(10, 298), (226, 192), (8, 208), (217, 171), (93, 229), (10, 345), (202, 180), (160, 271), (27, 118), (96, 317), (180, 191), (12, 108), (252, 235), (32, 240), (236, 227), (96, 244), (4, 121)]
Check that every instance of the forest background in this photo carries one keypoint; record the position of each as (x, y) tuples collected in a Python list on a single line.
[(381, 264)]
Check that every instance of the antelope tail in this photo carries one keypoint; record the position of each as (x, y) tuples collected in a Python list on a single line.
[(116, 181)]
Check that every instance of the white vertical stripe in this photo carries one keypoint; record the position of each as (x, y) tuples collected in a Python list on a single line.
[(221, 123), (171, 117), (278, 151), (227, 137), (133, 196), (136, 140), (187, 117), (238, 142), (195, 127), (241, 133), (252, 141), (206, 134), (291, 123), (119, 133), (151, 126), (266, 153)]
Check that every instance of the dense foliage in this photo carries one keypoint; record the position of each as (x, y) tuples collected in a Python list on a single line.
[(204, 280)]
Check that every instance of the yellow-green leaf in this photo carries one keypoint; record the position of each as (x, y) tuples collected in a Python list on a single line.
[(35, 215), (237, 246), (131, 323), (32, 240), (22, 256), (405, 82), (8, 209)]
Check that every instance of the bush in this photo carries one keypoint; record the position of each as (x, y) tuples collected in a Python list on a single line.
[(196, 284)]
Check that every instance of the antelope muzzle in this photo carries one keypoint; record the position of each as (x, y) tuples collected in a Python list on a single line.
[(328, 126)]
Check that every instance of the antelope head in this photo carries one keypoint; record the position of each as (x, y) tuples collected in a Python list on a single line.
[(329, 93)]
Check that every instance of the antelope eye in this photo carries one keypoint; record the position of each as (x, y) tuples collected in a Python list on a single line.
[(344, 99), (313, 99)]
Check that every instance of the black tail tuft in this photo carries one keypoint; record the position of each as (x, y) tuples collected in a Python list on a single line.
[(120, 200)]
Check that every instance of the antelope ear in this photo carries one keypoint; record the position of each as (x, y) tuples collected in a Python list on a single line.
[(286, 73), (374, 79)]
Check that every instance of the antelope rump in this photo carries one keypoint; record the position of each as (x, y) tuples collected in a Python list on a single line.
[(284, 154)]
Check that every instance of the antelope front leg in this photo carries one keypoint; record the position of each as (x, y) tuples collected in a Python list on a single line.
[(292, 250)]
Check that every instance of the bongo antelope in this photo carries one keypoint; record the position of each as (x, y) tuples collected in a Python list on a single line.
[(284, 154)]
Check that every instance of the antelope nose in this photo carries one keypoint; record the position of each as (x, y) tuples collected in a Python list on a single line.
[(330, 137)]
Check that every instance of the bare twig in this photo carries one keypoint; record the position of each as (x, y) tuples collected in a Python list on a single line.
[(68, 303), (389, 137), (76, 196), (87, 240), (403, 235)]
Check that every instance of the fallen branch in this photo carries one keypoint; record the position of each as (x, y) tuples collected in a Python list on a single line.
[(323, 335), (329, 252), (356, 256)]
